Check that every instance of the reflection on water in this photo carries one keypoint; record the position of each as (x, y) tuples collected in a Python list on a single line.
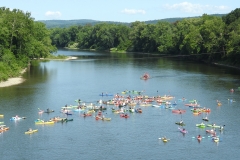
[(52, 84)]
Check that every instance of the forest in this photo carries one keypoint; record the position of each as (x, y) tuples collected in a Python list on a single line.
[(208, 38)]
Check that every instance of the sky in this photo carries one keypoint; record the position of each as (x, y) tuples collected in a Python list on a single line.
[(120, 10)]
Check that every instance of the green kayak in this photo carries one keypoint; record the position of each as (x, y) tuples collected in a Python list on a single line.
[(213, 126)]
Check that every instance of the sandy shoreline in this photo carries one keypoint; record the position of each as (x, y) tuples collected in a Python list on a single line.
[(13, 81)]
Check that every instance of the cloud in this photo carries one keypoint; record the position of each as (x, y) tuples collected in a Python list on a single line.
[(53, 14), (133, 11), (196, 8)]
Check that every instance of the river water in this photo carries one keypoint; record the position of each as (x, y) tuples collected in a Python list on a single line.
[(53, 84)]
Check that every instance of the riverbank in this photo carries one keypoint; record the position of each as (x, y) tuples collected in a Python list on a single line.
[(19, 80), (13, 81)]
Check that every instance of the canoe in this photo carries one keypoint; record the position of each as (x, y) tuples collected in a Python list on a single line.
[(180, 124), (31, 132), (182, 130), (213, 126)]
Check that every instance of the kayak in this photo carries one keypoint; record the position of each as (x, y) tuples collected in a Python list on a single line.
[(30, 132), (205, 119), (179, 111), (196, 113), (192, 105), (124, 115), (4, 129), (180, 124), (193, 101), (49, 111), (38, 121), (202, 125), (145, 104), (106, 119), (210, 131), (57, 119), (213, 126), (66, 120), (105, 94), (98, 117), (138, 110), (15, 118), (215, 139), (68, 113), (182, 130), (86, 115), (164, 139)]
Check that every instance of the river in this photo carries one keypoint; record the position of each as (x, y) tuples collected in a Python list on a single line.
[(54, 84)]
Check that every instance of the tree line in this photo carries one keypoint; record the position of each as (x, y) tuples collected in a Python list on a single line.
[(21, 39), (209, 37)]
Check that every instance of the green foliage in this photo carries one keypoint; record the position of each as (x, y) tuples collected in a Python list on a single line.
[(21, 39)]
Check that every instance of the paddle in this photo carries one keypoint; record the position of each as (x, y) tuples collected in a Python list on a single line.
[(162, 138)]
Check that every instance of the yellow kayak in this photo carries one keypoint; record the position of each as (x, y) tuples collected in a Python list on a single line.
[(30, 132), (43, 122), (106, 119), (1, 115)]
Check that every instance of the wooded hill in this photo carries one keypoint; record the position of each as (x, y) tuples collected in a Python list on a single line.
[(68, 23), (207, 38)]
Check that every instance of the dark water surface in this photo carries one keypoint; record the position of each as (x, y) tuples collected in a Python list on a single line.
[(53, 84)]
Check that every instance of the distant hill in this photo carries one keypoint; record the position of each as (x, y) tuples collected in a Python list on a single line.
[(68, 23)]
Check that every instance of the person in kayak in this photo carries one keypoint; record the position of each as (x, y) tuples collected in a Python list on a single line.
[(199, 136), (181, 122)]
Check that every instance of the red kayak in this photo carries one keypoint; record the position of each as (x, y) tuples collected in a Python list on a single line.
[(86, 115), (179, 111), (124, 115)]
